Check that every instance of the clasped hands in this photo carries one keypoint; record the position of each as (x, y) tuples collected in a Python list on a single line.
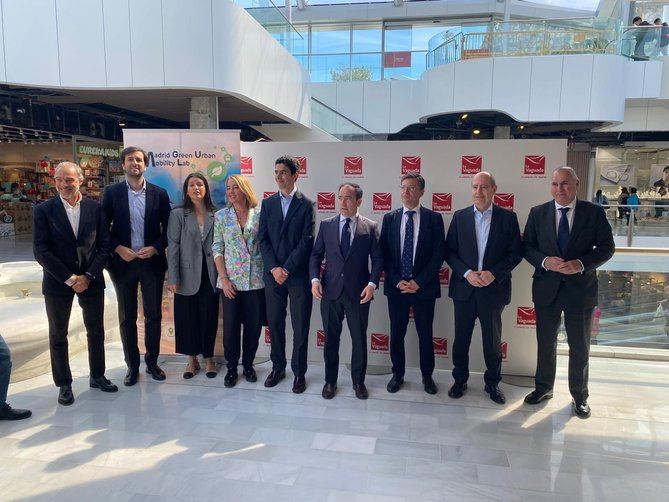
[(480, 279), (80, 284), (366, 295), (127, 254), (408, 287), (557, 264)]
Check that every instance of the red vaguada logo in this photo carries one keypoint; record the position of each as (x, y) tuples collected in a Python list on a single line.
[(444, 276), (505, 350), (383, 277), (353, 166), (246, 165), (410, 164), (380, 342), (322, 269), (440, 346), (472, 164), (267, 194), (442, 202), (303, 165), (320, 338), (382, 201), (526, 316), (535, 165), (268, 339), (504, 200), (326, 201)]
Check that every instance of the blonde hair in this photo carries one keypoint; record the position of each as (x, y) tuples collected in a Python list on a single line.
[(245, 187)]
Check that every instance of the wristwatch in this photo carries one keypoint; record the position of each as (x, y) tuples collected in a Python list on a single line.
[(90, 276)]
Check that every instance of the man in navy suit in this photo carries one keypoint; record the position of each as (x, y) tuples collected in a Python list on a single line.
[(137, 212), (565, 240), (286, 236), (482, 248), (71, 243), (412, 240), (347, 241)]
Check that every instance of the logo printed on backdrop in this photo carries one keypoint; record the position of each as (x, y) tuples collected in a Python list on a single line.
[(382, 201), (440, 347), (471, 164), (352, 166), (322, 269), (505, 350), (380, 343), (246, 165), (442, 202), (326, 201), (526, 317), (383, 277), (504, 200), (303, 166), (267, 194), (268, 340), (535, 166), (320, 338), (410, 164), (444, 276)]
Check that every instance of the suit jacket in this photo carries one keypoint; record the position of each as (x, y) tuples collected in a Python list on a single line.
[(590, 240), (502, 254), (427, 260), (287, 242), (156, 216), (184, 250), (61, 253), (349, 273)]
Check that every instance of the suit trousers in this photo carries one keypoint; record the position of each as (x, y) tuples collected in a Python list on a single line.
[(5, 370), (578, 324), (300, 315), (490, 317), (58, 310), (398, 309), (357, 315), (247, 309), (151, 283)]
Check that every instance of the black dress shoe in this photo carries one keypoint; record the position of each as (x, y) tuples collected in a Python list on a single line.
[(395, 383), (495, 394), (103, 384), (230, 379), (581, 409), (329, 391), (299, 385), (250, 375), (65, 396), (274, 378), (360, 391), (156, 373), (131, 378), (9, 413), (457, 390), (536, 396), (429, 385)]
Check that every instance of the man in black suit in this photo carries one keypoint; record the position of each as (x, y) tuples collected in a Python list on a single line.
[(286, 236), (137, 212), (482, 248), (71, 243), (347, 241), (565, 240), (412, 240)]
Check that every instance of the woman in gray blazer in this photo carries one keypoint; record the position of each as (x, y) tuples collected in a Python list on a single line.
[(192, 275)]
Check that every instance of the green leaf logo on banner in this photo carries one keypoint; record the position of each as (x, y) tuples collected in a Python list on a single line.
[(217, 171)]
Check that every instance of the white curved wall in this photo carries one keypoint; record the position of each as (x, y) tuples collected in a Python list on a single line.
[(196, 44)]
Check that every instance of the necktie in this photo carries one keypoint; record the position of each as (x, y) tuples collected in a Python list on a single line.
[(563, 231), (407, 249), (345, 243)]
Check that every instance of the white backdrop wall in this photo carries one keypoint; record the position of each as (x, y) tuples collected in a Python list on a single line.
[(522, 169)]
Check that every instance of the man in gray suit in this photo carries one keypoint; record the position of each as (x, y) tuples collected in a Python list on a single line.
[(347, 241)]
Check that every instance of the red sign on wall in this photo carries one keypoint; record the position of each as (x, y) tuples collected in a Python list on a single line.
[(397, 59), (440, 346), (535, 165), (268, 340), (410, 164), (505, 350), (326, 201), (382, 201), (444, 276), (320, 338), (471, 164), (504, 200), (526, 316), (267, 194), (442, 202), (246, 165), (352, 166), (380, 343), (303, 166)]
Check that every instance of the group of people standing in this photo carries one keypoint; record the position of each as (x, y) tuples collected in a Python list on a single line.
[(268, 259)]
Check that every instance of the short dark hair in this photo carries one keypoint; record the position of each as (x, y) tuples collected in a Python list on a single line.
[(666, 168), (637, 18), (132, 149), (414, 176), (657, 20), (187, 203), (290, 162), (633, 190), (355, 186)]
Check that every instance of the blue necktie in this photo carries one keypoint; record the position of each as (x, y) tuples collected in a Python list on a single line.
[(407, 249), (345, 243), (563, 231)]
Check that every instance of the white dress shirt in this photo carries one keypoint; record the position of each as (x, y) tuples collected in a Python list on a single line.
[(73, 215), (286, 200), (416, 228), (482, 222)]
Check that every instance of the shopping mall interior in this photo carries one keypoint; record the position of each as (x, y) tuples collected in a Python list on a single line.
[(524, 86)]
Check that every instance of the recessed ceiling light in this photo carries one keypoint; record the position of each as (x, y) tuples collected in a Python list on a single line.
[(464, 116), (476, 131)]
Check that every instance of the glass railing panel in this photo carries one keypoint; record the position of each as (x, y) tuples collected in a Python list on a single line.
[(333, 122), (643, 226), (273, 20), (644, 42)]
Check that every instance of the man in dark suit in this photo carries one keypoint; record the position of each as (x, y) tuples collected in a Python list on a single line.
[(347, 241), (137, 212), (71, 243), (565, 240), (482, 248), (286, 236), (412, 240)]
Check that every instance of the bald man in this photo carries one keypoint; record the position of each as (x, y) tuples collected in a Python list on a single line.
[(482, 248)]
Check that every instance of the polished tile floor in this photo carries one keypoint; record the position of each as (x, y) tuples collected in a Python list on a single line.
[(196, 440)]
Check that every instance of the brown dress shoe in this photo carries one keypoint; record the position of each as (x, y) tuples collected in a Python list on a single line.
[(360, 391)]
